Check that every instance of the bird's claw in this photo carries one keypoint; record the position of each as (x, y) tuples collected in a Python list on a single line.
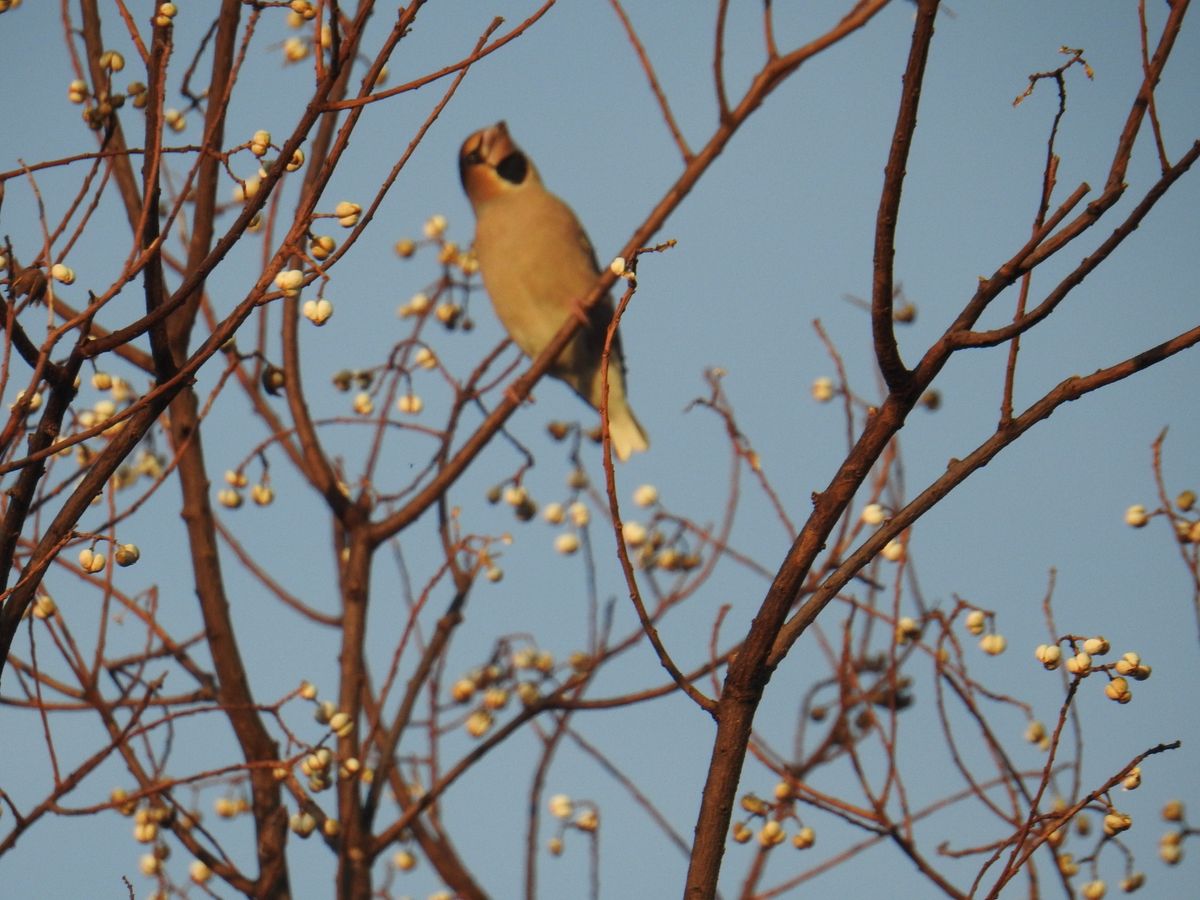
[(516, 398), (577, 310)]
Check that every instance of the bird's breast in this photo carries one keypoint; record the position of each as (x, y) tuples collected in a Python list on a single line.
[(536, 265)]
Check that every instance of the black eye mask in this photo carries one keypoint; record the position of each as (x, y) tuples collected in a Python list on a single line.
[(473, 158)]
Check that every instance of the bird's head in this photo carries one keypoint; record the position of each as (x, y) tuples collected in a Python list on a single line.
[(491, 165)]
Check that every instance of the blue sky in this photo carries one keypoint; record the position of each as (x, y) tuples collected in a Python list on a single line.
[(776, 235)]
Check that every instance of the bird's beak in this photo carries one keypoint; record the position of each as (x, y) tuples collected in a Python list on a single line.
[(493, 144)]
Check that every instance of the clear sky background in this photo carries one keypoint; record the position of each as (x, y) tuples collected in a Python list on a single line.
[(776, 235)]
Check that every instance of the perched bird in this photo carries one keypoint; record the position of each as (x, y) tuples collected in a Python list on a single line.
[(537, 265)]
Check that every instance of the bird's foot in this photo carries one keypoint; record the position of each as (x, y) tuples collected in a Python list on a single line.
[(516, 398), (576, 309)]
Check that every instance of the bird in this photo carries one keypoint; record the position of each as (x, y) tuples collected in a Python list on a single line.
[(537, 265)]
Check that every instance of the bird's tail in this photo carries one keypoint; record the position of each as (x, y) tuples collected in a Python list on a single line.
[(627, 435)]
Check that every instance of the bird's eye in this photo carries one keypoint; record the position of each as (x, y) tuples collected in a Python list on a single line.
[(474, 158), (513, 168)]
